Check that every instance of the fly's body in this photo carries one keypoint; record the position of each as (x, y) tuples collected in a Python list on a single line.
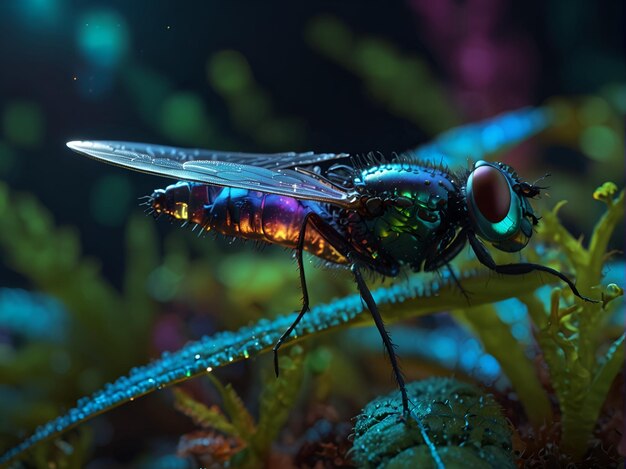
[(412, 232), (359, 213)]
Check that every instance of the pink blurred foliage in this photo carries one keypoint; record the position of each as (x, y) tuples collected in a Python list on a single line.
[(168, 333), (489, 65)]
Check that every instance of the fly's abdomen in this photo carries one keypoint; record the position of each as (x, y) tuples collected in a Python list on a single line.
[(184, 201), (256, 215), (242, 213), (232, 212)]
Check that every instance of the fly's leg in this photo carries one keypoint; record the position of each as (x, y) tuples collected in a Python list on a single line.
[(305, 292), (457, 282), (380, 325), (342, 246), (518, 269)]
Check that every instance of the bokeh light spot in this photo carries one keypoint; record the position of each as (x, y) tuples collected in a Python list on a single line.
[(163, 283), (562, 111), (488, 367), (594, 110), (110, 199), (329, 34), (471, 354), (277, 132), (250, 108), (147, 89), (615, 93), (37, 13), (521, 332), (184, 119), (7, 160), (599, 142), (320, 359), (444, 349), (229, 72), (377, 59), (103, 37), (236, 274), (511, 311), (23, 124)]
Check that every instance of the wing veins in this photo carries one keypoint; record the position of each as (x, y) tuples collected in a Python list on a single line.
[(281, 181)]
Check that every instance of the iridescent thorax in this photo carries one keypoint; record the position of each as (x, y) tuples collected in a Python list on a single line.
[(410, 231)]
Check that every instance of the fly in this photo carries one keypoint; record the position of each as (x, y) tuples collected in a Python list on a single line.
[(359, 213)]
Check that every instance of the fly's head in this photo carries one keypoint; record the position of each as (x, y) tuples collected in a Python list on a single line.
[(498, 206)]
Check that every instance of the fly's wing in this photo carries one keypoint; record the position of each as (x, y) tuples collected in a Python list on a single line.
[(261, 160), (165, 161)]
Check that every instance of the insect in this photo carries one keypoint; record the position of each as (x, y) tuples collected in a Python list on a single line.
[(361, 213)]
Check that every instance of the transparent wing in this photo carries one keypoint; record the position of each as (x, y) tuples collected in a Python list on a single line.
[(261, 160), (169, 162)]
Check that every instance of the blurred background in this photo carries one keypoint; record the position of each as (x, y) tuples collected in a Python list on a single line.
[(326, 76)]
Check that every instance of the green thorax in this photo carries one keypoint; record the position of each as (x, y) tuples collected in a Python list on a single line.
[(409, 233)]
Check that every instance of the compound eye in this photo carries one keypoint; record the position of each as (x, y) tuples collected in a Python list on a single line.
[(491, 193)]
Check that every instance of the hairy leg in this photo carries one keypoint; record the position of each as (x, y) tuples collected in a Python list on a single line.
[(380, 325), (305, 293), (518, 269)]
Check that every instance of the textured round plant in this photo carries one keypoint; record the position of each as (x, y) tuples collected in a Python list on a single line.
[(452, 424)]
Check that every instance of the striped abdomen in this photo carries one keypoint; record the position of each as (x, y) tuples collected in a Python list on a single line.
[(246, 214)]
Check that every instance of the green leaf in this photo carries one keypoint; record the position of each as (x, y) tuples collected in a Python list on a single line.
[(203, 416), (602, 234), (581, 420), (50, 257), (278, 398), (553, 231), (612, 364), (236, 410)]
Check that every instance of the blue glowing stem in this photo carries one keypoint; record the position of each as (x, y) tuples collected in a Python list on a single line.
[(202, 356), (475, 141)]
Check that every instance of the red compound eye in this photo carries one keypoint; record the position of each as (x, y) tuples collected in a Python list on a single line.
[(491, 193)]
